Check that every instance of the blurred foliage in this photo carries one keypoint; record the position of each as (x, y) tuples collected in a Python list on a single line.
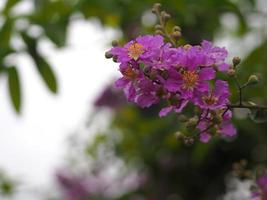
[(7, 186)]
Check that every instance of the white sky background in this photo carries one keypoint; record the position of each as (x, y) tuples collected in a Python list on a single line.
[(32, 144)]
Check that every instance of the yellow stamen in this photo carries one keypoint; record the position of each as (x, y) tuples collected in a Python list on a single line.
[(190, 79), (129, 73), (210, 100), (135, 50)]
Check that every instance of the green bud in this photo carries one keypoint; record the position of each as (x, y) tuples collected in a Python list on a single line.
[(165, 16), (236, 60), (108, 55), (158, 27), (253, 80), (176, 35), (115, 59), (189, 140), (179, 135), (192, 123), (156, 7), (114, 43), (176, 28), (159, 32)]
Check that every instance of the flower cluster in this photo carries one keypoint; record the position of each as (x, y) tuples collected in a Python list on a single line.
[(154, 71)]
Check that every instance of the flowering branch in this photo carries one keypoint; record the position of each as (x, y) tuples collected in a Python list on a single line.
[(154, 71)]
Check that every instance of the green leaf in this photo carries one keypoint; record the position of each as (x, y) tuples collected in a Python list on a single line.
[(258, 115), (6, 33), (14, 88), (42, 65), (47, 73)]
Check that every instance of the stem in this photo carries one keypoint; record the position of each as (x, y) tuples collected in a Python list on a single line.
[(239, 87), (166, 34), (246, 106)]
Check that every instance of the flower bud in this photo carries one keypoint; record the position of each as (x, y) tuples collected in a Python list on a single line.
[(156, 7), (236, 60), (108, 55), (253, 80), (231, 72), (192, 123), (176, 35), (158, 27), (114, 43), (165, 16), (176, 28), (159, 32), (115, 59), (179, 135), (188, 140)]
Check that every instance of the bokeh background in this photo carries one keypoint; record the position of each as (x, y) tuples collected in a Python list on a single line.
[(66, 133)]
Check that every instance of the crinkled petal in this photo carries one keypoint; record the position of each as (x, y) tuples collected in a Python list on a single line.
[(204, 137), (228, 130), (164, 111), (207, 74)]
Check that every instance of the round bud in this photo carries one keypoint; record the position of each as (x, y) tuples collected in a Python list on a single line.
[(158, 27), (192, 123), (165, 16), (156, 7), (179, 135), (159, 32), (253, 80), (231, 72), (236, 60), (114, 43), (176, 35), (115, 59), (176, 28), (108, 55), (189, 140)]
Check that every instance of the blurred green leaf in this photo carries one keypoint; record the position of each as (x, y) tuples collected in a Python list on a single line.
[(42, 65), (14, 88), (6, 33)]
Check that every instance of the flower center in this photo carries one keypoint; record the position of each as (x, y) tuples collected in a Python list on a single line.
[(210, 100), (190, 79), (129, 73), (135, 50)]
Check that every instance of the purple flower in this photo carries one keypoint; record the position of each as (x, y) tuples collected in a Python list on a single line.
[(142, 47), (214, 55), (147, 93), (74, 188), (261, 194), (189, 82), (204, 137), (215, 99), (224, 128), (153, 71), (111, 98)]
